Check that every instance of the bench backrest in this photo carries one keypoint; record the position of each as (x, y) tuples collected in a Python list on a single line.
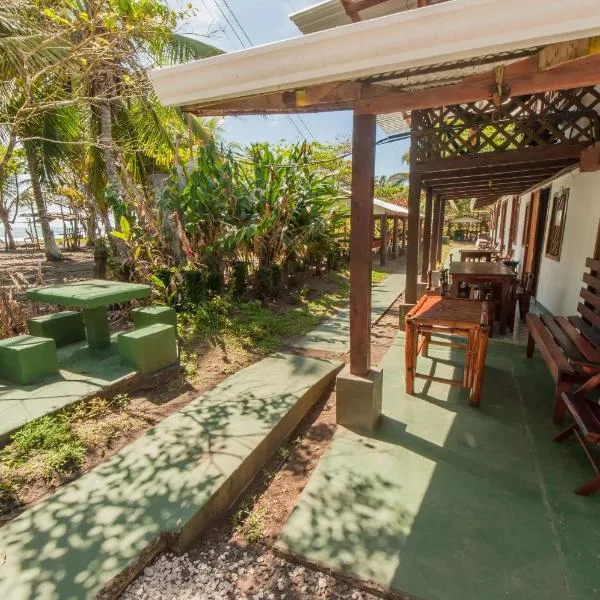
[(589, 306)]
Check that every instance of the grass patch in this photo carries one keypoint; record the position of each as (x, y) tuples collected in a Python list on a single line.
[(378, 276), (249, 523), (59, 444), (263, 328)]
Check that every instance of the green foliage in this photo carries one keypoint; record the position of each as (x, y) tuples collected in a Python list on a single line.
[(250, 523), (195, 285), (59, 443), (262, 328), (239, 279), (51, 441), (272, 206)]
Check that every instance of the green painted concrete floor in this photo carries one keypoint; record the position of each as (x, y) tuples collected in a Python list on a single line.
[(82, 372), (447, 502), (333, 335), (77, 540)]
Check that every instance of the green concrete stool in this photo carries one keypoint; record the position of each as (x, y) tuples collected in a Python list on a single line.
[(149, 349), (25, 359), (151, 315), (63, 327)]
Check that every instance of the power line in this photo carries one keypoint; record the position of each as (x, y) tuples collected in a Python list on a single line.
[(237, 21), (215, 2), (301, 133), (212, 15)]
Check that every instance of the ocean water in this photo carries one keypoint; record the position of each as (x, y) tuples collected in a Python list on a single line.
[(22, 224), (20, 228)]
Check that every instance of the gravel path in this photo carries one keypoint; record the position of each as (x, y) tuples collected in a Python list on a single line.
[(220, 569)]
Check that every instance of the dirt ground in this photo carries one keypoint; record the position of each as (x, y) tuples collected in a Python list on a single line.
[(31, 263)]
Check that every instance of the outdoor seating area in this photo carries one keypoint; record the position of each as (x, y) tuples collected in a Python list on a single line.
[(337, 343), (570, 345), (70, 355), (448, 502)]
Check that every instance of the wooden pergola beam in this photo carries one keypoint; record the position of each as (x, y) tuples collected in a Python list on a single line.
[(429, 199), (492, 174), (338, 95), (361, 234), (497, 185), (461, 194), (488, 160), (521, 77)]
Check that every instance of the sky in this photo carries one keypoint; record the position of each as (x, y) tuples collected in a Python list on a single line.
[(266, 21)]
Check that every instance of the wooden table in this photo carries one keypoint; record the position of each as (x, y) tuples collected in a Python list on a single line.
[(466, 319), (483, 272), (93, 296), (477, 255)]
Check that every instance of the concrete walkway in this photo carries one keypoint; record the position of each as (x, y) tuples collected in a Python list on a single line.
[(334, 334), (447, 502), (173, 479)]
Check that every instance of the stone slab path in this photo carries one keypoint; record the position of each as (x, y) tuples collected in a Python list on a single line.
[(186, 469), (333, 335)]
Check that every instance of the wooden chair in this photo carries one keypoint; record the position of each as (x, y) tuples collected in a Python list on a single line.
[(570, 346), (523, 295), (586, 428)]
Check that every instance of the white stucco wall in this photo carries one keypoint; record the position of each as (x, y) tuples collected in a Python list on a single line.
[(560, 281)]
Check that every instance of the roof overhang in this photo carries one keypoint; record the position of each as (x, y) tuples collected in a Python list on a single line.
[(461, 30), (334, 13), (381, 207)]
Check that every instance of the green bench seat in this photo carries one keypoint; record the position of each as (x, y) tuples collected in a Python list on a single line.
[(64, 327), (25, 359), (149, 349), (151, 315)]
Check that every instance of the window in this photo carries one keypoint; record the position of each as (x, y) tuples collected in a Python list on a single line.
[(526, 224), (514, 213), (556, 230)]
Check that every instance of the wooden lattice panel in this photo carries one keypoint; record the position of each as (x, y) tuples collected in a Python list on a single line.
[(535, 120)]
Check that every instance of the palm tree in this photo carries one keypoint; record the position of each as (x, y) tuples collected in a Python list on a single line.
[(131, 130)]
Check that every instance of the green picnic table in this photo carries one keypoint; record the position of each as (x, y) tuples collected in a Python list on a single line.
[(93, 296)]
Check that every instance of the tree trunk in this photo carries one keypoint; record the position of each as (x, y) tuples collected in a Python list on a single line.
[(106, 140), (9, 241), (8, 236), (50, 246)]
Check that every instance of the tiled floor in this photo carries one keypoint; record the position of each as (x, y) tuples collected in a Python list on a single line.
[(448, 502)]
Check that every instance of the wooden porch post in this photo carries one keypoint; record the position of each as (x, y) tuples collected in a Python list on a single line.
[(412, 238), (384, 239), (403, 240), (395, 237), (361, 219), (427, 235), (435, 234), (441, 229)]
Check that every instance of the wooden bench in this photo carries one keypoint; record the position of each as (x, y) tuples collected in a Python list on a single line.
[(586, 428), (570, 345)]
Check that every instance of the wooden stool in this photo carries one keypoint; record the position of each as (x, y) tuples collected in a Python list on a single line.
[(435, 315)]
